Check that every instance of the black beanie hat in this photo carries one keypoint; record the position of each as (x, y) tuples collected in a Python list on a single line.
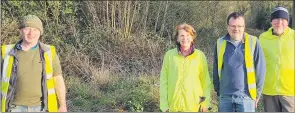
[(280, 12)]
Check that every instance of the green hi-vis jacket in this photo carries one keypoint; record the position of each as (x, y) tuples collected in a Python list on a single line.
[(183, 81), (279, 56)]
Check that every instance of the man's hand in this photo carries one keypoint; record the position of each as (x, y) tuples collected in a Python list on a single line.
[(256, 103), (204, 109)]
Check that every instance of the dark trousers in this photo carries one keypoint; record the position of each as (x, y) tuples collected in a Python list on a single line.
[(278, 103)]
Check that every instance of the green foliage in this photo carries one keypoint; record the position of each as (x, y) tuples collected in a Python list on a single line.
[(263, 17), (133, 95), (262, 13)]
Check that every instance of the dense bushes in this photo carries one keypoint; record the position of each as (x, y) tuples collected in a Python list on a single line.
[(111, 51)]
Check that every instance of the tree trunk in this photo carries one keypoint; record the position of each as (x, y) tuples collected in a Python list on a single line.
[(107, 17), (157, 18), (145, 15), (113, 15), (164, 18), (135, 9)]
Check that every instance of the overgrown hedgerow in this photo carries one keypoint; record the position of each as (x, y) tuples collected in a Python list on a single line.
[(111, 51)]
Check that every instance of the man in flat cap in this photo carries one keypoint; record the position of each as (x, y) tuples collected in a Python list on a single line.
[(31, 77), (278, 47)]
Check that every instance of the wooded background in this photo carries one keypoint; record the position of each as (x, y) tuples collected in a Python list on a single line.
[(111, 51)]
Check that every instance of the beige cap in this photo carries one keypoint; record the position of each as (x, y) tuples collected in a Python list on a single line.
[(31, 21)]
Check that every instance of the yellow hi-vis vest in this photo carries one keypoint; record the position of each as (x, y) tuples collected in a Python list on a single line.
[(250, 43), (8, 68)]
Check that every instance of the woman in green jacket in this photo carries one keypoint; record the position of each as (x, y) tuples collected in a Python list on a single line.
[(185, 84)]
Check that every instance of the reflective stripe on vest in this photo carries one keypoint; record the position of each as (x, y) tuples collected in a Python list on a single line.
[(7, 69), (52, 100), (6, 72), (250, 43)]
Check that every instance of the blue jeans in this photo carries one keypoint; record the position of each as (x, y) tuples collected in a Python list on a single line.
[(236, 104), (16, 108)]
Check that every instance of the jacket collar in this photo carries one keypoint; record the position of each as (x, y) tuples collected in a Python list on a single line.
[(42, 47), (227, 38), (286, 32), (192, 49)]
